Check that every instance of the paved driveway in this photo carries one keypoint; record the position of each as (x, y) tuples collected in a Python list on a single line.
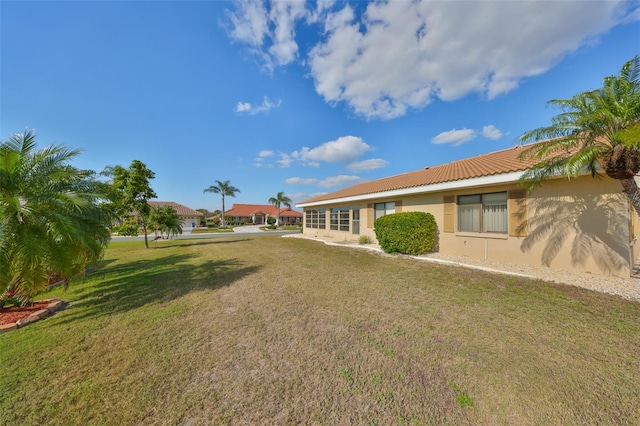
[(247, 229)]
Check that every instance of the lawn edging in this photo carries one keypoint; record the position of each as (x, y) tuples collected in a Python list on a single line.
[(53, 306)]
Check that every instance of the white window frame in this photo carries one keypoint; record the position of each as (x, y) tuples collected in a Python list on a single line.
[(483, 213), (383, 209)]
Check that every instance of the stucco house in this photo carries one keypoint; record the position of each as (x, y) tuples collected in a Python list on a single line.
[(190, 218), (259, 213), (583, 224)]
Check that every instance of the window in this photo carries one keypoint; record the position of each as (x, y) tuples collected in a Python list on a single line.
[(483, 213), (339, 219), (355, 221), (344, 220), (333, 219), (382, 209), (315, 219)]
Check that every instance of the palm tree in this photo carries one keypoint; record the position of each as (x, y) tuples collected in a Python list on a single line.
[(50, 218), (166, 219), (225, 189), (277, 201), (597, 130)]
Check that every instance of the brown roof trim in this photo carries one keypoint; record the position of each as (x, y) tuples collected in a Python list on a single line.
[(491, 164)]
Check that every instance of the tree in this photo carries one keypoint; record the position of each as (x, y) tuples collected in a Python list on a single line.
[(277, 201), (51, 221), (225, 189), (597, 130), (131, 191), (166, 219)]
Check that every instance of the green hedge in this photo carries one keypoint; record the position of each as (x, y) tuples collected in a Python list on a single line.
[(407, 233)]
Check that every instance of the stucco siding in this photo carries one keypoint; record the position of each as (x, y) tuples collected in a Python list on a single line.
[(582, 224)]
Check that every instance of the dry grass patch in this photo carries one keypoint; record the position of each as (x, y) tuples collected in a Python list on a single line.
[(281, 331)]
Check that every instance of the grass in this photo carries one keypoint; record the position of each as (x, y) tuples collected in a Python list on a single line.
[(283, 331), (211, 230)]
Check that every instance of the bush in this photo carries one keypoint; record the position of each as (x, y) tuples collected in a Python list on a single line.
[(271, 220), (407, 233), (364, 239)]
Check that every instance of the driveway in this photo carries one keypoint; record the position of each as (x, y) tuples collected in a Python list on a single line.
[(247, 229)]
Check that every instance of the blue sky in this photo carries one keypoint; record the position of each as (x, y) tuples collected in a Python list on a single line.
[(304, 98)]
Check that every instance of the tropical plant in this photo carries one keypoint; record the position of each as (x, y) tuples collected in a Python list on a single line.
[(279, 200), (166, 220), (51, 221), (130, 192), (597, 130), (225, 189)]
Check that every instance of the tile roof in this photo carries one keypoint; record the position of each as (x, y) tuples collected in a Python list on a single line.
[(493, 163), (246, 210), (182, 210)]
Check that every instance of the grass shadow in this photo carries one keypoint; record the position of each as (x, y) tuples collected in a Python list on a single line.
[(183, 243), (128, 286)]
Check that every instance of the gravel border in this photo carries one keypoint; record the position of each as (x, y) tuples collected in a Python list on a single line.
[(628, 288)]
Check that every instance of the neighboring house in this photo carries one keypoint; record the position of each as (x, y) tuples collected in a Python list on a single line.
[(190, 218), (481, 211), (259, 213)]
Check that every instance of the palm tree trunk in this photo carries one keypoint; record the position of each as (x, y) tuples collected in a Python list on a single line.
[(630, 188), (224, 225)]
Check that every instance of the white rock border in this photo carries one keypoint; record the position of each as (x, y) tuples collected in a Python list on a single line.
[(53, 306)]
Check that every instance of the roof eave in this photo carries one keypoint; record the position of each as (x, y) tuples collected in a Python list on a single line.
[(423, 189)]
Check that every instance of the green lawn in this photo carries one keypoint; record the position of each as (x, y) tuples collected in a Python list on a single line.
[(254, 330)]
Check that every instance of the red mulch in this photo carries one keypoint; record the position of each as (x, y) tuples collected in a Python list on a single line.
[(14, 313)]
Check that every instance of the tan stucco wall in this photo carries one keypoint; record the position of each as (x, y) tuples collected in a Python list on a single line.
[(582, 224), (188, 220)]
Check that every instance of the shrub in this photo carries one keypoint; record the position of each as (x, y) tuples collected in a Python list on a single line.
[(271, 220), (407, 233), (364, 239)]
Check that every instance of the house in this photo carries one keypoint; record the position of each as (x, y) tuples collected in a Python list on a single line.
[(190, 218), (583, 224), (259, 213)]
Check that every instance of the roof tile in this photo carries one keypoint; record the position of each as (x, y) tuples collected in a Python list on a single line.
[(245, 210), (494, 163), (182, 210)]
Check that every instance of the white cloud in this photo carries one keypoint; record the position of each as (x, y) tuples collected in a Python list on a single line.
[(283, 16), (329, 182), (491, 132), (367, 165), (300, 196), (265, 106), (301, 181), (259, 161), (285, 160), (243, 107), (399, 55), (340, 180), (249, 22), (345, 149), (268, 28), (455, 137)]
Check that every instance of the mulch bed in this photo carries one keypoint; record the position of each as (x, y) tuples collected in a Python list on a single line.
[(12, 314)]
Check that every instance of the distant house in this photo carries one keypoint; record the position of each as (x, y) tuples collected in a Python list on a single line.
[(481, 211), (258, 214), (190, 218)]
